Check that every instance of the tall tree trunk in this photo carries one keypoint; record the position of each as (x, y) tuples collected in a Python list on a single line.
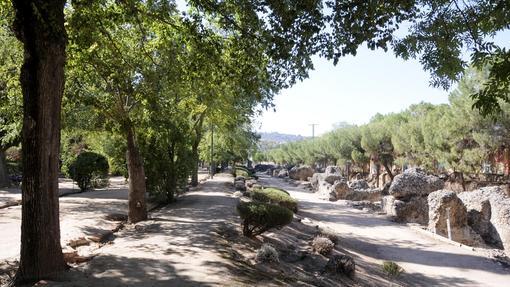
[(39, 24), (4, 177), (137, 209), (196, 158)]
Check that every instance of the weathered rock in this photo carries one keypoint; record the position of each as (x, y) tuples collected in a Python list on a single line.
[(315, 179), (275, 172), (341, 264), (442, 202), (332, 174), (415, 210), (250, 182), (326, 191), (283, 173), (414, 182), (364, 194), (491, 221), (240, 178), (341, 189), (359, 184), (301, 173)]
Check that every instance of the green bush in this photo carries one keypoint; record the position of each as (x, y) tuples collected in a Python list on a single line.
[(275, 196), (392, 269), (244, 172), (259, 217), (87, 168)]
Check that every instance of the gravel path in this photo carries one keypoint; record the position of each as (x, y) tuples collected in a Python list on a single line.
[(427, 262)]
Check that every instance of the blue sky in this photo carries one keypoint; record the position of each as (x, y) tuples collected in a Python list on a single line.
[(353, 91)]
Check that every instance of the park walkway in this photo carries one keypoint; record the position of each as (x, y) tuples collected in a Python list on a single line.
[(175, 247)]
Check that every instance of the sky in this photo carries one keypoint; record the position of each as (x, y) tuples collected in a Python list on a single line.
[(353, 91)]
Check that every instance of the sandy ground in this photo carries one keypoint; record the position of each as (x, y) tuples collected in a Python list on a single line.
[(81, 214), (427, 262)]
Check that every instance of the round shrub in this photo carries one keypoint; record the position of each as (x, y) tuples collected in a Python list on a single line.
[(322, 245), (267, 253), (275, 196), (259, 217), (86, 167), (341, 264)]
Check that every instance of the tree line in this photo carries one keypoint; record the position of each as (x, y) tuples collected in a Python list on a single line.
[(448, 137)]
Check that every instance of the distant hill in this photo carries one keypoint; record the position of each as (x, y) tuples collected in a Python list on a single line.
[(279, 138)]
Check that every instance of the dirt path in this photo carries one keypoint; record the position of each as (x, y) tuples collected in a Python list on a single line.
[(427, 262), (81, 214), (175, 247)]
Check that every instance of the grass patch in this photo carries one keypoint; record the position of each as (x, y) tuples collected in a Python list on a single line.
[(392, 269), (275, 196)]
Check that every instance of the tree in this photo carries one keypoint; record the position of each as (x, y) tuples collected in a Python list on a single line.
[(39, 25), (11, 57)]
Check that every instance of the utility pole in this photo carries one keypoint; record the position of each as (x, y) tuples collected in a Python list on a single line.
[(313, 129), (212, 168)]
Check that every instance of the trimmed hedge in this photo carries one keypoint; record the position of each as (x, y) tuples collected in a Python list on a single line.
[(275, 196), (86, 167), (244, 172), (259, 217)]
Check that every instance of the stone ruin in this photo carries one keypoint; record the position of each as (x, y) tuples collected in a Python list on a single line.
[(332, 186), (488, 214), (408, 201), (301, 172)]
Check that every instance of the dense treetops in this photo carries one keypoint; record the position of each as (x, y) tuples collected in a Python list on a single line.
[(436, 137)]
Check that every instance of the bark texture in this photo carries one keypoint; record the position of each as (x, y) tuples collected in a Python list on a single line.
[(137, 187), (40, 26), (4, 177)]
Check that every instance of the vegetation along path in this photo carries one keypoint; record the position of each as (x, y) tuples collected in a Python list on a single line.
[(427, 262)]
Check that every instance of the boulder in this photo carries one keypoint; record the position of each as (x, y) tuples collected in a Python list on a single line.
[(332, 174), (301, 173), (414, 210), (359, 184), (283, 173), (341, 189), (364, 194), (414, 182), (240, 178), (326, 191), (489, 214), (315, 180), (442, 202)]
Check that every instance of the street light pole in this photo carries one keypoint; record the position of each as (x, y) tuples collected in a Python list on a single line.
[(212, 168)]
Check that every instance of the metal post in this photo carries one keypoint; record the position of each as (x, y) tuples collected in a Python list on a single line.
[(448, 223), (213, 167), (313, 130)]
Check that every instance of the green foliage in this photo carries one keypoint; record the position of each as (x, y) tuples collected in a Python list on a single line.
[(436, 137), (392, 269), (260, 217), (87, 169), (275, 196)]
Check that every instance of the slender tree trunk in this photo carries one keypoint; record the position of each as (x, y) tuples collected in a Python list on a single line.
[(137, 209), (4, 177), (39, 24), (388, 170), (196, 158)]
